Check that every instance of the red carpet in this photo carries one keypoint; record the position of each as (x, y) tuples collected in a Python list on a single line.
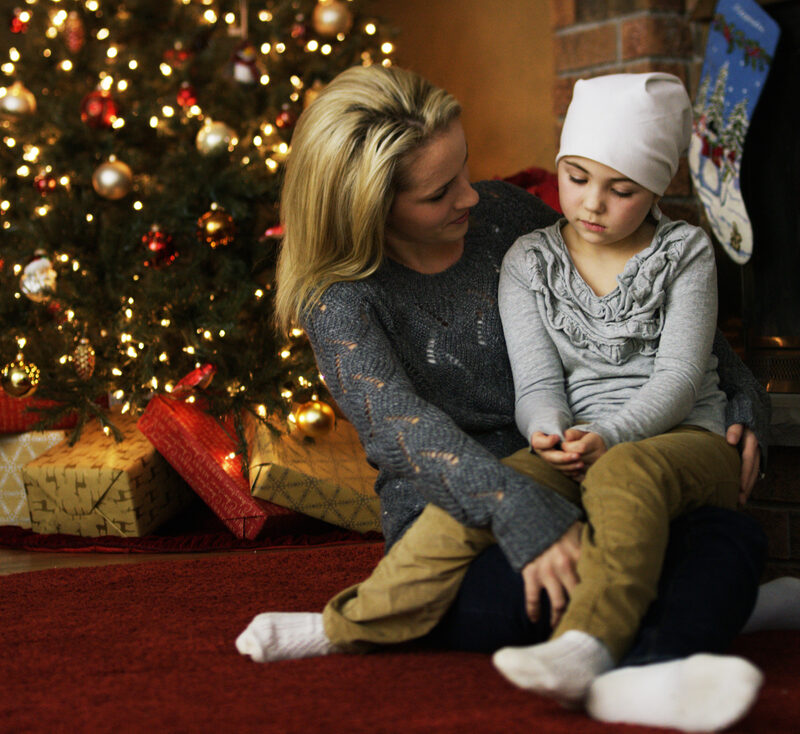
[(195, 530), (149, 648)]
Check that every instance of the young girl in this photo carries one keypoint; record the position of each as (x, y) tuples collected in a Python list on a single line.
[(611, 329)]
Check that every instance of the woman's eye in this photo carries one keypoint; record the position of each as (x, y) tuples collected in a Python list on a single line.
[(622, 194), (438, 197), (577, 180)]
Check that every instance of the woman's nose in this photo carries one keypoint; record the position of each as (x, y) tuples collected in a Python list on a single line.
[(467, 196)]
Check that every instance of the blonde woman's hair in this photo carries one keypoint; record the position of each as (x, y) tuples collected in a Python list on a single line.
[(346, 164)]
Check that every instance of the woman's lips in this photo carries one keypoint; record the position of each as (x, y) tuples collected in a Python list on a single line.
[(461, 219)]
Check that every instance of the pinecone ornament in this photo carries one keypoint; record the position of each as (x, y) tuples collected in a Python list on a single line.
[(84, 358)]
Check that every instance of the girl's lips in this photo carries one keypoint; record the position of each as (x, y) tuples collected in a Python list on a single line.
[(592, 227), (461, 219)]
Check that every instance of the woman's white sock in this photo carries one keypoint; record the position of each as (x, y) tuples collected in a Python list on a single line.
[(701, 693), (562, 668), (284, 636), (777, 606)]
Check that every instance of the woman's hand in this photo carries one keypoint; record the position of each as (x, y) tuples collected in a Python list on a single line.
[(747, 442), (555, 572)]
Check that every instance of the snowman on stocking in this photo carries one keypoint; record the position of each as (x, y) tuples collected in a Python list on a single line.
[(741, 44)]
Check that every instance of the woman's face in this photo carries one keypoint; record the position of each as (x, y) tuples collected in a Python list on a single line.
[(432, 212)]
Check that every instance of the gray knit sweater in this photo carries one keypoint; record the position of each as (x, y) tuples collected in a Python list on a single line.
[(418, 363), (629, 364)]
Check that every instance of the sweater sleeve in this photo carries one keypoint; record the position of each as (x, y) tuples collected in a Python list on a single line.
[(408, 437), (540, 399), (684, 349), (748, 401)]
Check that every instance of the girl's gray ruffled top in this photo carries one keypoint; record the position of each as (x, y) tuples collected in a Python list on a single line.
[(418, 363), (629, 364)]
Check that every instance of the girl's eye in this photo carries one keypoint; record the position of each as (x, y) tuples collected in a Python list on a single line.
[(577, 180), (622, 194)]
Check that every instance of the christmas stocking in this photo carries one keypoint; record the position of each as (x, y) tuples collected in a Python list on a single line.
[(741, 43)]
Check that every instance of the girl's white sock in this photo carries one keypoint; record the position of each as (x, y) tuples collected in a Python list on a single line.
[(284, 636), (777, 606), (562, 668), (701, 693)]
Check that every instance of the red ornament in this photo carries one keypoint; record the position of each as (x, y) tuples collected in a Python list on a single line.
[(178, 57), (186, 95), (17, 24), (286, 119), (275, 232), (98, 109), (160, 247), (198, 379), (299, 32), (45, 183)]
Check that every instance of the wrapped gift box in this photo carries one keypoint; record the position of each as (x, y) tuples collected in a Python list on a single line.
[(203, 451), (327, 477), (16, 451), (20, 414), (101, 486)]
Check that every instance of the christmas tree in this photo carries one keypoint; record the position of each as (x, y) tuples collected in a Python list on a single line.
[(141, 151)]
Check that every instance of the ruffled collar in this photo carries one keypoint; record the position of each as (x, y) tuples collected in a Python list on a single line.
[(626, 321)]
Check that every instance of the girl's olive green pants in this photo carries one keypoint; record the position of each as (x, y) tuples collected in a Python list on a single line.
[(629, 495)]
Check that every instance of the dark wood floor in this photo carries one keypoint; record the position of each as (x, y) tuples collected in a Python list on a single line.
[(13, 561)]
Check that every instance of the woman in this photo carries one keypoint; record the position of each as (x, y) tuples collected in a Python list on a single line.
[(390, 263)]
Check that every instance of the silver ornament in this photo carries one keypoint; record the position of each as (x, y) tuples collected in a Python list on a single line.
[(215, 137), (18, 100), (38, 279)]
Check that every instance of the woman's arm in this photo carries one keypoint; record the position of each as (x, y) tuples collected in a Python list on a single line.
[(748, 401), (408, 437)]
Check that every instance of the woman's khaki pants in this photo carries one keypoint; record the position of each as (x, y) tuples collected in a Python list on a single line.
[(630, 495)]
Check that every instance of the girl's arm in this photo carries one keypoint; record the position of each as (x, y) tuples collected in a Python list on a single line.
[(680, 365), (411, 439), (541, 401)]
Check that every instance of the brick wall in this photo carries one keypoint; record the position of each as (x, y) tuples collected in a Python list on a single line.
[(593, 37)]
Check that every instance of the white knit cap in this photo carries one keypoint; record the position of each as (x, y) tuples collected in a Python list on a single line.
[(637, 124)]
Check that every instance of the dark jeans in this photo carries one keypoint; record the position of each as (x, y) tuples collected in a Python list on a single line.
[(708, 587)]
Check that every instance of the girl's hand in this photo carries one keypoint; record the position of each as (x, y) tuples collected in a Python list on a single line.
[(550, 449), (751, 457), (590, 446), (555, 572)]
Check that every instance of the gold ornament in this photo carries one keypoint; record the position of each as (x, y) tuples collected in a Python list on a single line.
[(84, 359), (331, 17), (19, 378), (113, 179), (17, 100), (38, 279), (312, 92), (216, 228), (315, 418), (215, 137)]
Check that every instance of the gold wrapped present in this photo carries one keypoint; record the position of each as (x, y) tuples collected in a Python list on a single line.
[(16, 450), (327, 477), (103, 487)]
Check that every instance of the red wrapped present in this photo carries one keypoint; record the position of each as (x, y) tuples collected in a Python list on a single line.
[(204, 453), (18, 415)]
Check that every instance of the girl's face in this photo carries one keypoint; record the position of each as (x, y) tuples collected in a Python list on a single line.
[(602, 206), (432, 212)]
